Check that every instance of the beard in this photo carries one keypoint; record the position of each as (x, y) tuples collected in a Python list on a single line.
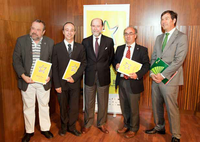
[(96, 33), (34, 36)]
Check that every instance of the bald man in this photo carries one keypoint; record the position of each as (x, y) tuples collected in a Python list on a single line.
[(99, 54), (131, 86)]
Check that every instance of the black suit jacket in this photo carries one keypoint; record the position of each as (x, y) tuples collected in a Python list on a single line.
[(140, 54), (22, 58), (60, 60), (99, 64)]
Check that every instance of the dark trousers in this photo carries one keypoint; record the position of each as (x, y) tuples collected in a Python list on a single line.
[(69, 108), (129, 103), (102, 100)]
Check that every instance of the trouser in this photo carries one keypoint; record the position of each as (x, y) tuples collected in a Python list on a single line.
[(29, 96), (167, 94), (102, 100), (129, 103), (69, 108)]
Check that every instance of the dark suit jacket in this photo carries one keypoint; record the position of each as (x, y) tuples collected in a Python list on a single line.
[(22, 58), (99, 64), (140, 54), (60, 60)]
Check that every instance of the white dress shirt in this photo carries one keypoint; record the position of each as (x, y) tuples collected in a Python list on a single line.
[(131, 53), (66, 44)]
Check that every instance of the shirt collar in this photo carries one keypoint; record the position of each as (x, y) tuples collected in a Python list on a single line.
[(132, 45), (38, 42), (94, 37), (171, 32), (66, 43)]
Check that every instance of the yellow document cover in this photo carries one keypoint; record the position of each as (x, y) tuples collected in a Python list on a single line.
[(128, 66), (41, 71), (71, 69)]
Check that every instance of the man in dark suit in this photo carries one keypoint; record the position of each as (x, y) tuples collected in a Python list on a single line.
[(68, 91), (28, 49), (130, 86), (172, 48), (99, 54)]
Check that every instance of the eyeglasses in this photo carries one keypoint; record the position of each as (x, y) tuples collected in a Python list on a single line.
[(130, 34)]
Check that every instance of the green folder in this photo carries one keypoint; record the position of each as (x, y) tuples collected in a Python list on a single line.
[(158, 67)]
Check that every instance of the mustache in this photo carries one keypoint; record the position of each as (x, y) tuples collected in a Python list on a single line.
[(34, 34)]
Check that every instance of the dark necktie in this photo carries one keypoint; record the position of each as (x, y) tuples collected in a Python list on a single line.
[(69, 50), (128, 55), (165, 41), (96, 47)]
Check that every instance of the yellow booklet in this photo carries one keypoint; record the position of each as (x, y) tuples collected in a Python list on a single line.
[(128, 66), (71, 69), (40, 71)]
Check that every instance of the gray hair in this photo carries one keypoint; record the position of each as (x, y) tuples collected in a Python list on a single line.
[(132, 28)]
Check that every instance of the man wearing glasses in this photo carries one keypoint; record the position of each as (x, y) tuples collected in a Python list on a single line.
[(130, 86)]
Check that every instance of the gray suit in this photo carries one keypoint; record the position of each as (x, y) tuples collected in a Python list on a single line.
[(173, 54), (22, 58)]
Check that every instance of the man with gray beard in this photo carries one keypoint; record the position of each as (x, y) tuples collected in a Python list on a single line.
[(28, 49)]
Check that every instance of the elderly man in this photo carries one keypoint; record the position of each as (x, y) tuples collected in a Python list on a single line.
[(131, 86), (28, 49), (99, 53)]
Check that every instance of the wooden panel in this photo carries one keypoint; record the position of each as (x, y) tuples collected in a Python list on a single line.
[(15, 20)]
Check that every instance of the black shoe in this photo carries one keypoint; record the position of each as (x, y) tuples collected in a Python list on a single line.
[(47, 134), (27, 137), (174, 139), (153, 131), (75, 132), (62, 132)]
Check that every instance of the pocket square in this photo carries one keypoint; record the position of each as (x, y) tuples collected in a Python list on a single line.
[(106, 48)]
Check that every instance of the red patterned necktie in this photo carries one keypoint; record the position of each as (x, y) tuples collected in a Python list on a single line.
[(128, 55), (96, 47)]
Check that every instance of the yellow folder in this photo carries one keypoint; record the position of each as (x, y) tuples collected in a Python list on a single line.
[(71, 69), (41, 71), (128, 66)]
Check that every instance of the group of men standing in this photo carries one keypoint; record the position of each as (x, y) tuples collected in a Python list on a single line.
[(96, 54)]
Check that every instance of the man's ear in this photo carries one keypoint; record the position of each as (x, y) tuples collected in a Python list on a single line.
[(43, 32)]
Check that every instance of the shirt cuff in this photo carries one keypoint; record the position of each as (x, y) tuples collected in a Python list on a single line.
[(162, 75), (151, 74)]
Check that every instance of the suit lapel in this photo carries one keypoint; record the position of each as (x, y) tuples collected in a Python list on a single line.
[(43, 46), (29, 51), (121, 53), (64, 49), (101, 47), (135, 52), (160, 41), (74, 50), (171, 40), (91, 48)]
